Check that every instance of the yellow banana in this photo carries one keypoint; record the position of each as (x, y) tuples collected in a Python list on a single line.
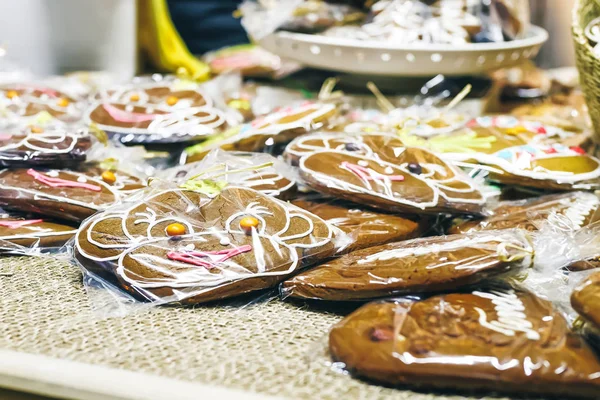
[(163, 44)]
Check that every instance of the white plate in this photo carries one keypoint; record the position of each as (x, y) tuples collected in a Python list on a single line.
[(380, 58)]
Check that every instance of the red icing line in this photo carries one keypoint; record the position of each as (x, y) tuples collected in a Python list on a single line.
[(198, 257), (127, 117), (363, 173), (18, 224), (57, 182)]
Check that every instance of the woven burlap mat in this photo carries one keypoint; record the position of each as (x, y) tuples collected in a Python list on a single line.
[(271, 347)]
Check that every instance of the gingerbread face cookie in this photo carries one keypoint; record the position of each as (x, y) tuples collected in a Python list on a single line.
[(44, 147), (29, 103), (189, 247), (65, 194), (261, 172), (426, 265), (147, 111), (494, 340), (378, 170), (274, 129), (365, 228), (568, 210), (525, 153), (18, 234)]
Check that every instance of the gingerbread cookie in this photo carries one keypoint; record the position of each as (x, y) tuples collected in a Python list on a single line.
[(64, 194), (19, 233), (164, 111), (572, 210), (518, 152), (585, 299), (34, 104), (364, 227), (261, 172), (36, 146), (266, 132), (499, 340), (426, 265), (378, 170), (192, 247)]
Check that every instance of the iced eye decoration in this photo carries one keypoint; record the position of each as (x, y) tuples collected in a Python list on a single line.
[(415, 168), (351, 147)]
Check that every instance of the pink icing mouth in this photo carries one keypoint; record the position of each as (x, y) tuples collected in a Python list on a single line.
[(199, 258), (18, 224), (57, 182), (369, 175), (5, 136), (47, 91), (127, 117)]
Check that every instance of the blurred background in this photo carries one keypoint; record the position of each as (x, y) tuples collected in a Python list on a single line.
[(58, 36)]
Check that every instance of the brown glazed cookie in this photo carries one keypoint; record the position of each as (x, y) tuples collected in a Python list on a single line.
[(271, 130), (518, 152), (31, 233), (261, 172), (365, 228), (147, 111), (585, 299), (493, 340), (38, 147), (425, 265), (188, 247), (574, 210), (379, 171), (65, 194), (25, 102)]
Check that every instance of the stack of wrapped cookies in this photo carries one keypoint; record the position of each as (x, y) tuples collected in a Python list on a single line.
[(471, 240)]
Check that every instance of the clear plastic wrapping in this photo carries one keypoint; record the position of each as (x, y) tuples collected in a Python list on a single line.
[(24, 234), (66, 194), (261, 172), (518, 152), (158, 110), (44, 147), (268, 132), (426, 265), (571, 210), (491, 338), (364, 227), (454, 22), (379, 170), (36, 104), (172, 245)]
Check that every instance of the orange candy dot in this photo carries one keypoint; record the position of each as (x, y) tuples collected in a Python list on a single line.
[(134, 97), (176, 229), (11, 94), (172, 100), (62, 102), (109, 177), (247, 223), (36, 129)]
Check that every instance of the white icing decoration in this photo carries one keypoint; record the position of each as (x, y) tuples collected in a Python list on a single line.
[(388, 170), (225, 241), (300, 148), (82, 179), (510, 313), (364, 163)]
